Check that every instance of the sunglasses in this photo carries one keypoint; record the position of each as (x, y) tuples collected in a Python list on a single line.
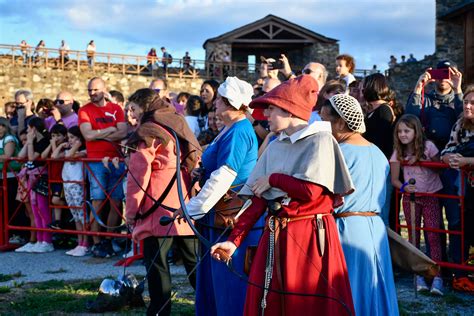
[(59, 101), (307, 71), (157, 90)]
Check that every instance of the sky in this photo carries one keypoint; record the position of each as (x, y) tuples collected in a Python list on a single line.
[(370, 31)]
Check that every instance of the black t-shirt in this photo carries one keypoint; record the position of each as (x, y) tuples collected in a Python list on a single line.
[(39, 147), (379, 129)]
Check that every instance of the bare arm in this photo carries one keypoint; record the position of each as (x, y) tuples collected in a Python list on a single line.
[(395, 174), (119, 134), (96, 134), (59, 151), (8, 151), (72, 152), (47, 151)]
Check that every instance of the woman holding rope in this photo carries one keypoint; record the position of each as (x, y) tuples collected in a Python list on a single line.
[(299, 266), (152, 177), (227, 163)]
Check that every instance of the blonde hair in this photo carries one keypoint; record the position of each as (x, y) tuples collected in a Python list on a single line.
[(466, 123)]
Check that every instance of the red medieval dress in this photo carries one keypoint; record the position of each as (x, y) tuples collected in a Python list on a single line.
[(298, 264)]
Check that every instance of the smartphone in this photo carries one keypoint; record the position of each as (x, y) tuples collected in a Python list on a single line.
[(277, 64), (440, 74)]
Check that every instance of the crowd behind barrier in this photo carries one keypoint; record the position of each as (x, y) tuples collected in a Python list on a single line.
[(60, 155)]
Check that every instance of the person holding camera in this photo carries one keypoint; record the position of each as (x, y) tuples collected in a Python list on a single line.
[(438, 113), (62, 111)]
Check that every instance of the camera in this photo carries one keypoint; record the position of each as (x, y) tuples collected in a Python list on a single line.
[(440, 74), (278, 64)]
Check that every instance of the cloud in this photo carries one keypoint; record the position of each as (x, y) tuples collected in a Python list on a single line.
[(370, 30)]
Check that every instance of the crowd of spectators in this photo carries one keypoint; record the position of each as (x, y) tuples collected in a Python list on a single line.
[(53, 137)]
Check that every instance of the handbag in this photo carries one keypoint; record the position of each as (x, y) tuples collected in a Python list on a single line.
[(41, 185), (226, 209)]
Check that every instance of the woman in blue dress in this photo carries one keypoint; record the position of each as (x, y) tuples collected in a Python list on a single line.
[(361, 230), (227, 162)]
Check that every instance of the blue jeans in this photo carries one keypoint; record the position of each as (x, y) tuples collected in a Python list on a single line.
[(108, 180), (449, 178)]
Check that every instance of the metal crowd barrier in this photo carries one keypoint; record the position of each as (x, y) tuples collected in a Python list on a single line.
[(6, 221), (464, 174)]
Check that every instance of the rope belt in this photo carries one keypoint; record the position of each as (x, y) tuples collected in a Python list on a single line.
[(275, 225), (348, 214)]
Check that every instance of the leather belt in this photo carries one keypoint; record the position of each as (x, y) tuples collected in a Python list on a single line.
[(348, 214)]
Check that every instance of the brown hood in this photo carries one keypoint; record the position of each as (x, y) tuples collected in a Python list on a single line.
[(161, 112)]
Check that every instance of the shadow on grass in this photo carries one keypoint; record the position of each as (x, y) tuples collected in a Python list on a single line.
[(59, 297)]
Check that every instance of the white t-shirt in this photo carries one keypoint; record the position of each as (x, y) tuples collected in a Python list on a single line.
[(193, 124), (72, 170)]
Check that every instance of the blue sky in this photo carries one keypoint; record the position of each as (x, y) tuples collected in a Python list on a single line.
[(371, 31)]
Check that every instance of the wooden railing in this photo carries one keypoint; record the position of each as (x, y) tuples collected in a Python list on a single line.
[(132, 64), (125, 64)]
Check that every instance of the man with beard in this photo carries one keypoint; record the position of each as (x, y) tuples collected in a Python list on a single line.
[(102, 123)]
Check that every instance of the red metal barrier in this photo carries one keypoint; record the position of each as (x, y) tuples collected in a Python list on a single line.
[(6, 225), (464, 172)]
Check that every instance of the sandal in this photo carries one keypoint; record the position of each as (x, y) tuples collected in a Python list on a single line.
[(463, 284)]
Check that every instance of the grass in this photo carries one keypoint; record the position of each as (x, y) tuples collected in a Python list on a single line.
[(9, 277), (56, 296), (4, 289)]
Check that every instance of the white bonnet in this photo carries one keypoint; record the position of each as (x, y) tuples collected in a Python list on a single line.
[(237, 91)]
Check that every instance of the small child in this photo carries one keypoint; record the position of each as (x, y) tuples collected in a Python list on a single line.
[(73, 190), (345, 66), (411, 146), (55, 150)]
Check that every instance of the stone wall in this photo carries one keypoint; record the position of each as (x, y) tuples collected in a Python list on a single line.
[(323, 53), (46, 83), (449, 45)]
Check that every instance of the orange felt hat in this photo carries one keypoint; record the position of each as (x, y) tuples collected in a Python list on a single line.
[(297, 96)]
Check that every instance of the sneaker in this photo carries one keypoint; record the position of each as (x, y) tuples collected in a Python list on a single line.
[(437, 286), (108, 248), (26, 248), (81, 251), (55, 225), (115, 247), (72, 251), (15, 239), (44, 247), (103, 249), (421, 285)]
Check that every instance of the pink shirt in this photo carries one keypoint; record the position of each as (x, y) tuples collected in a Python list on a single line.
[(427, 180)]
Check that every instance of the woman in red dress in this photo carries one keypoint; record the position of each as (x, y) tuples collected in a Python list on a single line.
[(299, 266)]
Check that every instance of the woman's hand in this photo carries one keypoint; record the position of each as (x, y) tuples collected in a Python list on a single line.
[(261, 185), (179, 215), (227, 247), (30, 136), (457, 161)]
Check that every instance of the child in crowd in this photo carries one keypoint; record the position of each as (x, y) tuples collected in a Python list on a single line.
[(411, 145), (23, 196), (345, 66), (55, 150), (219, 123), (37, 140), (73, 178), (192, 111), (207, 136)]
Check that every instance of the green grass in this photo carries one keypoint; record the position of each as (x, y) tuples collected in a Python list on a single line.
[(4, 289), (70, 297), (9, 277)]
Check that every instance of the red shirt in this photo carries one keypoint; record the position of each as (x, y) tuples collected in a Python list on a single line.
[(101, 117)]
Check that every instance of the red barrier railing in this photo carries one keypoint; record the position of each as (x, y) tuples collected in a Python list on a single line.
[(464, 174), (6, 225)]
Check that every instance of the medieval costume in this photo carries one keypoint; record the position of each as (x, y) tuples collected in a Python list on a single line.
[(361, 229), (299, 266)]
